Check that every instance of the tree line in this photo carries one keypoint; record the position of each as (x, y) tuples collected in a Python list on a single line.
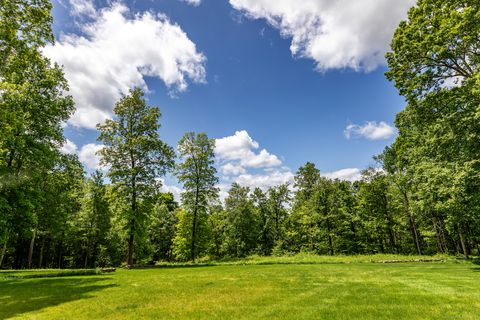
[(422, 197)]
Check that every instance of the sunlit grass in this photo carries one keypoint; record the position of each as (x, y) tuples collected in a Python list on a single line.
[(307, 258), (340, 289)]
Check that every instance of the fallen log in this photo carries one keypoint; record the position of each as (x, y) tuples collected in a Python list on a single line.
[(411, 260)]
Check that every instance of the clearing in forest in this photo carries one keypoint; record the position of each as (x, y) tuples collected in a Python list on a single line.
[(335, 289)]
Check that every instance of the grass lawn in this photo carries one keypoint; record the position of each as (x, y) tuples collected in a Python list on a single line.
[(333, 290)]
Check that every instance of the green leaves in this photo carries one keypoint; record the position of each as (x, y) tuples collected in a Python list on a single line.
[(197, 174), (435, 63), (136, 157), (437, 46)]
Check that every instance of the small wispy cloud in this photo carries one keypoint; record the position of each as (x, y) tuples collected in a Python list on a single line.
[(193, 2), (371, 130), (348, 174)]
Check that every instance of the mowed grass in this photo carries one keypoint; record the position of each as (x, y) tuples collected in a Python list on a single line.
[(356, 290)]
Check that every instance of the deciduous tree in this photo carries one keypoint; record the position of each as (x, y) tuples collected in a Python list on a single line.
[(135, 156)]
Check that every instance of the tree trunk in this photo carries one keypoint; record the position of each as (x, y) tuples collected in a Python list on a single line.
[(415, 234), (440, 245), (4, 250), (330, 243), (93, 261), (18, 261), (265, 240), (391, 235), (390, 224), (60, 254), (354, 236), (134, 212), (458, 246), (329, 229), (277, 232), (40, 260), (413, 225), (330, 239), (130, 244), (32, 244), (194, 228), (462, 242), (382, 244), (311, 233), (86, 260), (132, 225), (194, 224)]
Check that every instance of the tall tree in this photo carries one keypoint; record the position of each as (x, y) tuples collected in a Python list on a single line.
[(217, 225), (266, 234), (33, 99), (94, 218), (434, 63), (241, 230), (197, 174), (33, 105), (161, 230), (278, 198), (377, 212), (305, 181), (402, 179), (305, 209), (136, 157)]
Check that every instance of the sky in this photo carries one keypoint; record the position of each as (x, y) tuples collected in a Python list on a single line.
[(277, 83)]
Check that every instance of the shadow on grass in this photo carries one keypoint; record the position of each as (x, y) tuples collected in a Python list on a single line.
[(21, 296)]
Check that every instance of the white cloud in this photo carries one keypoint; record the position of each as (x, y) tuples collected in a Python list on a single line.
[(453, 82), (82, 8), (370, 130), (235, 146), (69, 147), (115, 52), (349, 174), (265, 180), (336, 34), (240, 162), (232, 169), (239, 148), (223, 191), (89, 157), (87, 154), (193, 2), (176, 191)]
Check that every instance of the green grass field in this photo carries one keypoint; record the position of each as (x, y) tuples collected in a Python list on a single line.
[(322, 288)]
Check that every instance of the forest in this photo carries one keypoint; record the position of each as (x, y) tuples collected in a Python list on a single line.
[(422, 196)]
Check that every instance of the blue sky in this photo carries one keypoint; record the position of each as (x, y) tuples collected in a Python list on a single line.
[(303, 81)]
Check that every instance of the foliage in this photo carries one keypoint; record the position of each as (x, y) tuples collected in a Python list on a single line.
[(161, 230), (136, 158), (197, 174), (33, 105), (435, 65), (422, 196), (241, 231)]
